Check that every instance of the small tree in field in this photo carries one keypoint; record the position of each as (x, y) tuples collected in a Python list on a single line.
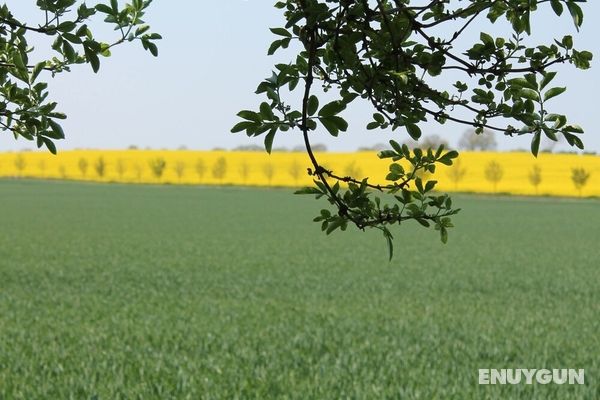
[(20, 164), (269, 171), (403, 58), (200, 168), (121, 168), (295, 171), (494, 173), (83, 166), (353, 169), (138, 170), (456, 173), (220, 169), (179, 169), (157, 166), (535, 177), (42, 167), (244, 171), (100, 167), (580, 177), (62, 171)]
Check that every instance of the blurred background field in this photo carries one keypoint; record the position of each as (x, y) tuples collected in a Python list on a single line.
[(513, 170), (188, 292)]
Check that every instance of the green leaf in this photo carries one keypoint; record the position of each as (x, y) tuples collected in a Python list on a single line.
[(308, 190), (242, 126), (269, 139), (66, 26), (57, 129), (141, 30), (529, 94), (447, 158), (333, 108), (390, 244), (266, 112), (281, 32), (333, 225), (69, 52), (535, 143), (486, 38), (573, 129), (93, 60), (532, 79), (396, 146), (72, 38), (330, 125), (422, 221), (274, 46), (576, 13), (386, 154), (313, 105), (550, 133), (19, 63), (49, 144), (430, 185), (573, 140), (414, 131), (444, 235), (554, 92), (340, 122), (548, 77), (557, 7), (250, 116), (397, 169), (522, 82), (419, 184), (103, 8), (39, 67), (153, 48)]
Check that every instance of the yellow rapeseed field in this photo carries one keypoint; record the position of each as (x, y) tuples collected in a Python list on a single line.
[(513, 169)]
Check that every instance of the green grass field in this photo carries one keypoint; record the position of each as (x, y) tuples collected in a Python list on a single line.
[(143, 292)]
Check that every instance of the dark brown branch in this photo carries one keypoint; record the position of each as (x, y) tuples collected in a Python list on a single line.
[(319, 171)]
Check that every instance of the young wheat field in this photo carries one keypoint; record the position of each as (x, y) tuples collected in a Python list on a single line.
[(190, 292)]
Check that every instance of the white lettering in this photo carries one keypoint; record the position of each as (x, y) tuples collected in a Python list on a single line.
[(577, 376), (513, 376), (559, 376), (498, 377), (484, 376), (543, 376), (528, 375)]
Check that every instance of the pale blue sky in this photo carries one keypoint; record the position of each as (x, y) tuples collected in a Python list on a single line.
[(211, 59)]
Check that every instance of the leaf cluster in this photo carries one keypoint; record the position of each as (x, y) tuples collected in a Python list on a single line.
[(25, 109), (386, 53)]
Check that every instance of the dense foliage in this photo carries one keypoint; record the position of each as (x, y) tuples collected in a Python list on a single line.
[(388, 54), (25, 108)]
